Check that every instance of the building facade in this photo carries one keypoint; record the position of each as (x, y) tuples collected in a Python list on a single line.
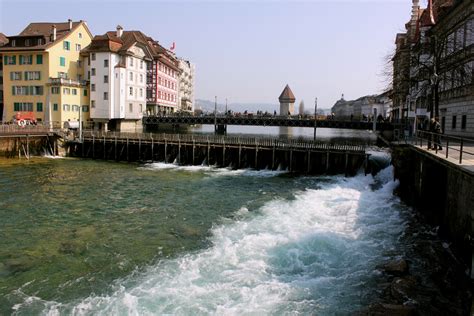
[(186, 86), (163, 76), (437, 81), (117, 69), (363, 108), (3, 41), (43, 72)]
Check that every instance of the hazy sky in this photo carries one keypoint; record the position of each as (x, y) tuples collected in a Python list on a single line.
[(248, 51)]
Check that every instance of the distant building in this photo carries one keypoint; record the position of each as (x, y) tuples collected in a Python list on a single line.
[(116, 63), (287, 102), (362, 108), (186, 86), (3, 41), (44, 72)]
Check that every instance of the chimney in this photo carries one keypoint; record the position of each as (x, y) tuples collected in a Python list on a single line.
[(119, 31), (54, 32), (70, 24)]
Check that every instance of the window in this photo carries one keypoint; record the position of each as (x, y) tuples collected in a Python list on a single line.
[(78, 47), (36, 90), (106, 95), (40, 41), (453, 123), (66, 45), (75, 108), (85, 92), (88, 75), (159, 81), (62, 75), (80, 35), (66, 91), (39, 107), (23, 106), (15, 75), (131, 91), (9, 60), (55, 107), (131, 61), (93, 71), (130, 108), (27, 42), (141, 78), (93, 87), (106, 79), (130, 76), (93, 56), (106, 63), (66, 107), (79, 64), (85, 108), (26, 59), (54, 90), (92, 103), (32, 75), (39, 59), (62, 61), (463, 121), (141, 92), (141, 108), (141, 64), (74, 91), (13, 43), (159, 94)]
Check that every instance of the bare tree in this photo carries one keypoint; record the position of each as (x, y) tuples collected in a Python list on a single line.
[(301, 108)]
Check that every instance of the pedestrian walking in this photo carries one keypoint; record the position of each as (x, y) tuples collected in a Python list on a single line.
[(437, 135)]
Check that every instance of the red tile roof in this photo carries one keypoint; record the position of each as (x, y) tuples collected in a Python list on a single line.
[(287, 95)]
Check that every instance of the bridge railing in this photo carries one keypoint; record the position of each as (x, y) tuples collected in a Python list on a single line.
[(224, 140), (459, 148)]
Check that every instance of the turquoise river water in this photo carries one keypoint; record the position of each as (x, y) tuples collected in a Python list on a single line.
[(87, 237)]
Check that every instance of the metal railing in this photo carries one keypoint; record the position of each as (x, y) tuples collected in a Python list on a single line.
[(458, 148), (300, 144)]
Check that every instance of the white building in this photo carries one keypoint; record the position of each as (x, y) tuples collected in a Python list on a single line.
[(117, 69), (186, 85)]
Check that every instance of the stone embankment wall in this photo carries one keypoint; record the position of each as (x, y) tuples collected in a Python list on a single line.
[(443, 193)]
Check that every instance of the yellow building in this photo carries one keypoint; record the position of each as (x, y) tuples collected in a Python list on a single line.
[(43, 72)]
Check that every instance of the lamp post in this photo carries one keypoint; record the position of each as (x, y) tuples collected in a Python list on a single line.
[(215, 113), (315, 116), (226, 106)]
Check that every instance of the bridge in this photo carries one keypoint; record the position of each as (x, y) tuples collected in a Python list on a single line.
[(223, 120)]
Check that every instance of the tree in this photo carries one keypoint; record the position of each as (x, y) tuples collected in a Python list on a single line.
[(301, 108)]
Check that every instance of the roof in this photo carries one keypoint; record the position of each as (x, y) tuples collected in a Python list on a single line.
[(110, 42), (3, 39), (44, 32), (287, 95), (427, 18)]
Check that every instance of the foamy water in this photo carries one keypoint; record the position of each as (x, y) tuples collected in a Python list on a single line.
[(313, 254)]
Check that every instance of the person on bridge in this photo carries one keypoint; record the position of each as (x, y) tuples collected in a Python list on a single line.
[(437, 135)]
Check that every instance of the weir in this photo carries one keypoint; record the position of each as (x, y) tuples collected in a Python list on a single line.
[(300, 156)]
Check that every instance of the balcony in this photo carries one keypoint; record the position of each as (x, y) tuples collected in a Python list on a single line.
[(66, 82)]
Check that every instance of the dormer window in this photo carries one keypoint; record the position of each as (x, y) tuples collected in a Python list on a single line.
[(27, 42), (40, 41), (13, 43), (80, 35)]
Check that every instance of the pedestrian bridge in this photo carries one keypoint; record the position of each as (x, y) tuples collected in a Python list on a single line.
[(151, 121)]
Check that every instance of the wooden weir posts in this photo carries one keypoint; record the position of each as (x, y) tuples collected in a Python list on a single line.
[(301, 156)]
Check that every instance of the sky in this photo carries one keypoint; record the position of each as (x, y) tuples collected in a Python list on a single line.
[(247, 51)]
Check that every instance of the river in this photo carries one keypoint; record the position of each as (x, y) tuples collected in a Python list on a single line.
[(91, 237)]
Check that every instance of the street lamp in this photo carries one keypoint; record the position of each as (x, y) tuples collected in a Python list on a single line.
[(315, 116)]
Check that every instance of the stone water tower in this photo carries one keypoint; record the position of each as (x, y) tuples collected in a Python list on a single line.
[(287, 102)]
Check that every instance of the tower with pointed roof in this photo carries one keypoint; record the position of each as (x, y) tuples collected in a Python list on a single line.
[(287, 101)]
